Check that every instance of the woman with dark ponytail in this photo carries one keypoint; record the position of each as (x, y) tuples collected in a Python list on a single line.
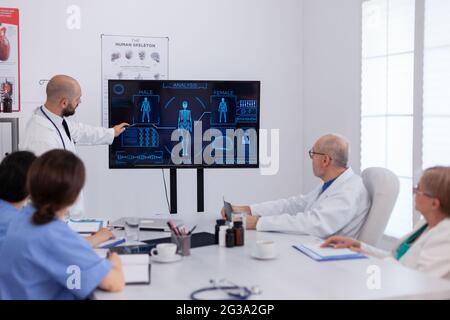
[(42, 258), (54, 183), (67, 174)]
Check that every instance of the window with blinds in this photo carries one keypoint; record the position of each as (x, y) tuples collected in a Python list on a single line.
[(405, 93), (387, 98), (436, 84)]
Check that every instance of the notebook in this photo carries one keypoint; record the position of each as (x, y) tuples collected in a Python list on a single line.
[(136, 267), (313, 250)]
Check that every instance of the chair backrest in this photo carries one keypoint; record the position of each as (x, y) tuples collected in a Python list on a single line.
[(383, 187)]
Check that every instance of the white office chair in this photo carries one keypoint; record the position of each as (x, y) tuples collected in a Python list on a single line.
[(383, 186)]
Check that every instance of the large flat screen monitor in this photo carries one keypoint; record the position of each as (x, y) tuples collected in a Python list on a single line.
[(185, 124)]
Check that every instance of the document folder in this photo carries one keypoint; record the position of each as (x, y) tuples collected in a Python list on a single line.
[(314, 251)]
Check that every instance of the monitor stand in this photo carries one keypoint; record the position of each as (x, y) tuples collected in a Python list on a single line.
[(200, 190), (173, 191)]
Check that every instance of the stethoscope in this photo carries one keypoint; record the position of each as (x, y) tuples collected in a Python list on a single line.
[(233, 291), (59, 132)]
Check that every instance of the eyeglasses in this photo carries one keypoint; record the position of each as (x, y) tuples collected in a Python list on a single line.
[(312, 153), (422, 193)]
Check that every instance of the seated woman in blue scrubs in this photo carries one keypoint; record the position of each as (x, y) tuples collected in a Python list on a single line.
[(13, 194), (41, 257)]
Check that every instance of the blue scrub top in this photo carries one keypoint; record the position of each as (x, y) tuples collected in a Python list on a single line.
[(41, 262), (7, 213)]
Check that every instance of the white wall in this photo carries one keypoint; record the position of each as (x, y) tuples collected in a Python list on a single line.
[(331, 75), (332, 80), (209, 39), (306, 53)]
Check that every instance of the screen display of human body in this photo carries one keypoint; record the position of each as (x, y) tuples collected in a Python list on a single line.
[(185, 123)]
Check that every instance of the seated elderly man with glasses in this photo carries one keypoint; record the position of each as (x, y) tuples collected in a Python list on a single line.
[(339, 205)]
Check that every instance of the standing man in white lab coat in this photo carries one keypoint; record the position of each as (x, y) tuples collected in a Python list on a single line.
[(50, 128), (339, 205)]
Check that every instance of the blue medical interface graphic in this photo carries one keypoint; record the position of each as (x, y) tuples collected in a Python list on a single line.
[(193, 118)]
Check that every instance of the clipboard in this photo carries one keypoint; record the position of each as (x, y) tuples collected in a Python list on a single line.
[(318, 256)]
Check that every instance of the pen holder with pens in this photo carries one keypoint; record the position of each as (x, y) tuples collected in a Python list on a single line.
[(183, 243)]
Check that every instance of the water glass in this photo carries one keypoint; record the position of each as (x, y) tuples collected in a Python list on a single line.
[(132, 229)]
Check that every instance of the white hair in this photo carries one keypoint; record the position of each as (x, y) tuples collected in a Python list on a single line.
[(336, 146)]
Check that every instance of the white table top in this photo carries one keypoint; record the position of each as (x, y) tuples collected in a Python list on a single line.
[(292, 275)]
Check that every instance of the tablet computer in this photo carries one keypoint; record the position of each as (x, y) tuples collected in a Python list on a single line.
[(228, 209)]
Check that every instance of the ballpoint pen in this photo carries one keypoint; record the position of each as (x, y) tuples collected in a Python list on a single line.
[(192, 230), (170, 227), (182, 230), (173, 228)]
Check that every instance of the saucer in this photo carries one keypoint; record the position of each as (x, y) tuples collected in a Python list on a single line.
[(174, 258), (255, 256)]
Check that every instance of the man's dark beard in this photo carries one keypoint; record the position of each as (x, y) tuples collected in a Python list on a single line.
[(69, 111)]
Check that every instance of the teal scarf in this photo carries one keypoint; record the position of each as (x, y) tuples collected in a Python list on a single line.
[(406, 245)]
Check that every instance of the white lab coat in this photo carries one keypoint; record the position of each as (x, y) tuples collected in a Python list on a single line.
[(341, 209), (41, 136), (430, 253)]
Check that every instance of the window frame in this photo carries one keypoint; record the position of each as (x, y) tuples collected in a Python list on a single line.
[(418, 100)]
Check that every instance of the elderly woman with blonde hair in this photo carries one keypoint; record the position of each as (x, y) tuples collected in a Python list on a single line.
[(427, 247)]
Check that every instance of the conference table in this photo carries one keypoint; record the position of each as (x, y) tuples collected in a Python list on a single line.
[(292, 275)]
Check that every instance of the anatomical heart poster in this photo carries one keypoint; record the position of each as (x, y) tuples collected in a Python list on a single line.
[(9, 60)]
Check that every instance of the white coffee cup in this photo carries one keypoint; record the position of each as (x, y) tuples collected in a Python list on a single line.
[(164, 251), (265, 248)]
